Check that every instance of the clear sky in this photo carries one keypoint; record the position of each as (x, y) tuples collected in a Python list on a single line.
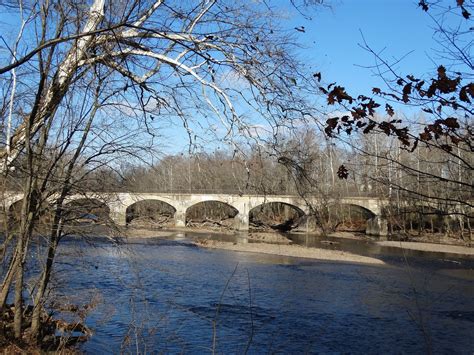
[(332, 36), (398, 27), (331, 40)]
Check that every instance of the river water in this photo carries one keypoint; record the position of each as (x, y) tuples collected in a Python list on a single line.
[(160, 295)]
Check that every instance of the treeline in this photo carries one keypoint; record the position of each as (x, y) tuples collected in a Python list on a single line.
[(305, 162)]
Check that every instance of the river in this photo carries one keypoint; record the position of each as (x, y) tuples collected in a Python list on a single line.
[(166, 295)]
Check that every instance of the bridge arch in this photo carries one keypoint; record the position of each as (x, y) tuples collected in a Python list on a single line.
[(349, 216), (278, 215), (9, 202), (372, 205), (15, 206), (214, 213), (87, 210), (149, 212), (13, 214)]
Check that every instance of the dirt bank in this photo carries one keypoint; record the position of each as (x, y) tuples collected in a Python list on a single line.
[(431, 247), (291, 250)]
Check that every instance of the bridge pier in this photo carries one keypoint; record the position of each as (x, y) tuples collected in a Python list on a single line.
[(377, 226), (241, 222), (118, 213), (180, 217), (242, 219), (119, 218)]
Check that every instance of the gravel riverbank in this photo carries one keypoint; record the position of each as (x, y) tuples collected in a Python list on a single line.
[(291, 250), (431, 247)]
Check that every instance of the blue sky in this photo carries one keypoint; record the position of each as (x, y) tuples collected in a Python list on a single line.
[(398, 27), (332, 37), (331, 41)]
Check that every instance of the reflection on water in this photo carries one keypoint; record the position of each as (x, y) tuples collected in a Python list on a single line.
[(169, 296)]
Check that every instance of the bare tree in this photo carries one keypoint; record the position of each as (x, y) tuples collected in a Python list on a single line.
[(438, 172), (87, 81)]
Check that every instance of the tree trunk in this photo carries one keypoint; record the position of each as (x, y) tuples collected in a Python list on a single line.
[(56, 231), (26, 230), (18, 320), (45, 276), (7, 281)]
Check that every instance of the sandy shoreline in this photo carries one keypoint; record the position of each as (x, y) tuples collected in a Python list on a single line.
[(430, 247), (292, 251)]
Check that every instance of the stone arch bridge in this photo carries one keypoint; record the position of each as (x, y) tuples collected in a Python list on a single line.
[(119, 202)]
